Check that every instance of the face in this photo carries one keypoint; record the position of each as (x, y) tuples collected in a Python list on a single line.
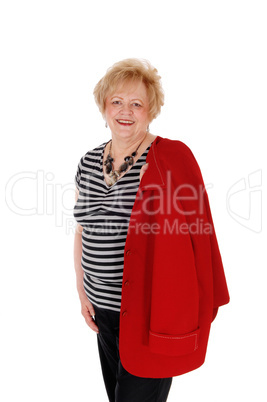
[(127, 111)]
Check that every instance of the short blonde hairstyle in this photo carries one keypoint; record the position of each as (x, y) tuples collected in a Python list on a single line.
[(131, 70)]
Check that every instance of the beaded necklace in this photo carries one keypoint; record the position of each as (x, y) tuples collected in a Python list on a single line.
[(128, 161)]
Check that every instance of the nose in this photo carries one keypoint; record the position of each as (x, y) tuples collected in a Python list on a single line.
[(126, 109)]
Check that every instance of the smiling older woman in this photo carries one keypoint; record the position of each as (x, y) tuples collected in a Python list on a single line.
[(149, 271)]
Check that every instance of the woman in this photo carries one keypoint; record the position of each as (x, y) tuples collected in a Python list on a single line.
[(149, 271)]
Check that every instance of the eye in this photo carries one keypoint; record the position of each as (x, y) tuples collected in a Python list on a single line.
[(116, 102), (137, 104)]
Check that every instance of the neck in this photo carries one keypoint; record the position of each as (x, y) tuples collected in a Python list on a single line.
[(123, 146)]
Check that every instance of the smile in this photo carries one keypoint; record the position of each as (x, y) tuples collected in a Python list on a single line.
[(125, 122)]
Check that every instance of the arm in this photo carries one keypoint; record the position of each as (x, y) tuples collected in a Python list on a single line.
[(86, 305)]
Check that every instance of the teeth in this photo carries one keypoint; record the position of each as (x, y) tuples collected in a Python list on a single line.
[(125, 121)]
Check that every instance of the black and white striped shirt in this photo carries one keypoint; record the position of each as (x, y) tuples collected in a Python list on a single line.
[(104, 213)]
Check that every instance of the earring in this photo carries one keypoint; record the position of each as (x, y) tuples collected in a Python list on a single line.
[(147, 130), (106, 125)]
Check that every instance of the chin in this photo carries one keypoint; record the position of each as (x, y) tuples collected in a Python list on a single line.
[(125, 132)]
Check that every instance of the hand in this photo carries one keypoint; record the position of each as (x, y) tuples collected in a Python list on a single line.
[(143, 170), (87, 312)]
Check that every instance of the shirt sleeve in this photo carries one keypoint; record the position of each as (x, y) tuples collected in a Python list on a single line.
[(78, 175)]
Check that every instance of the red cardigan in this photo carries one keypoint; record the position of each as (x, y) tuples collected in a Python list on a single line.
[(173, 280)]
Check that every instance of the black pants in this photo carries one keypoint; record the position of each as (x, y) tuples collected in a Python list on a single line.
[(122, 386)]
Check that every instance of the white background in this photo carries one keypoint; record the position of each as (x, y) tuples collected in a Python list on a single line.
[(212, 59)]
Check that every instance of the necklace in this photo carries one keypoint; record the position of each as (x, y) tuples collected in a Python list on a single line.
[(128, 161)]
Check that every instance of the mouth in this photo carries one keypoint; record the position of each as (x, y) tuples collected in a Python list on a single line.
[(125, 122)]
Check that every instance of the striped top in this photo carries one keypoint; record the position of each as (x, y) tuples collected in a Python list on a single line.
[(104, 213)]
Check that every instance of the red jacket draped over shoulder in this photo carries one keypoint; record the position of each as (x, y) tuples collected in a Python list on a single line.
[(173, 280)]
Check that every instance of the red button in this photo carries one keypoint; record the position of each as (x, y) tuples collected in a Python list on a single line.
[(128, 252), (126, 283), (124, 313)]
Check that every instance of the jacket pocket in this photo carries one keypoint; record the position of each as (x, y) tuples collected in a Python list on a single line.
[(173, 345)]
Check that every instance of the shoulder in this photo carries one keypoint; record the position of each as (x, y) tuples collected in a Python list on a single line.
[(177, 156), (174, 148), (175, 151), (92, 154)]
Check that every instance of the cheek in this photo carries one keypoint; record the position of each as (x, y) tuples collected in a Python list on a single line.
[(108, 112), (143, 116)]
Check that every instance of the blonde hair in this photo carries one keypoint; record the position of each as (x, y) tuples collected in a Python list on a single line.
[(131, 70)]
